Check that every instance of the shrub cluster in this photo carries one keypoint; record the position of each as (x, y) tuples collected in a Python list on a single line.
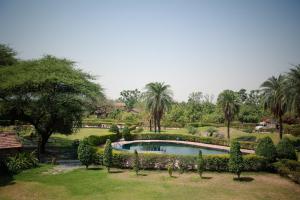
[(21, 161), (126, 134), (246, 138), (182, 163), (192, 130), (288, 168), (292, 129), (267, 149), (96, 140), (114, 129), (190, 138), (286, 149)]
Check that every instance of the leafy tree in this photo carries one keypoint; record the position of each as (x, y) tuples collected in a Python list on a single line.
[(130, 98), (243, 95), (7, 55), (114, 129), (229, 102), (200, 164), (286, 150), (126, 134), (195, 97), (158, 98), (267, 149), (136, 162), (236, 160), (48, 93), (107, 156), (274, 98), (86, 153), (249, 114)]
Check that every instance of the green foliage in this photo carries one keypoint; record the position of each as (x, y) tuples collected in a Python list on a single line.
[(292, 129), (249, 114), (86, 153), (136, 162), (247, 138), (114, 129), (289, 169), (200, 164), (21, 161), (248, 130), (192, 130), (96, 140), (107, 155), (267, 149), (48, 93), (211, 131), (126, 134), (236, 160), (170, 169), (138, 130), (286, 150), (130, 98), (7, 56)]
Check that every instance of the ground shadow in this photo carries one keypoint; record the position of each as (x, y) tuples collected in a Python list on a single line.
[(116, 172), (142, 174), (244, 179), (94, 168), (173, 176), (206, 177), (6, 180)]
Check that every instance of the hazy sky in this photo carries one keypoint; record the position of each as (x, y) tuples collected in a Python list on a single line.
[(203, 46)]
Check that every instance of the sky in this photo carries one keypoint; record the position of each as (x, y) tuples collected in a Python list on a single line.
[(191, 45)]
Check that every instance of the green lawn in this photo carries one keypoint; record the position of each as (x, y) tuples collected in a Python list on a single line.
[(84, 132), (123, 184)]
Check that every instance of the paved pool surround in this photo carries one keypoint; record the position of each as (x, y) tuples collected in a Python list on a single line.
[(195, 144)]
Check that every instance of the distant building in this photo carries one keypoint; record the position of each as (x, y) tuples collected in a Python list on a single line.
[(9, 144)]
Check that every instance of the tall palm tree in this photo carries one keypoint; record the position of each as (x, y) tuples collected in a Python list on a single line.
[(292, 90), (158, 98), (274, 98), (229, 102)]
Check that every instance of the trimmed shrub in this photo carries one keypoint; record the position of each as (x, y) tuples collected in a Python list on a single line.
[(286, 150), (267, 149), (136, 162), (192, 130), (211, 131), (236, 160), (200, 164), (96, 140), (21, 161), (170, 169), (126, 134), (86, 153), (107, 155), (114, 129), (292, 129)]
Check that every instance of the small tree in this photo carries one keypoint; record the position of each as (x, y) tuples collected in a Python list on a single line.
[(200, 164), (126, 133), (107, 157), (236, 160), (86, 153), (170, 169), (136, 162), (267, 149), (114, 129), (286, 150)]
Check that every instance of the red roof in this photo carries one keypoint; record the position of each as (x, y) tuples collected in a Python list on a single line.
[(9, 140)]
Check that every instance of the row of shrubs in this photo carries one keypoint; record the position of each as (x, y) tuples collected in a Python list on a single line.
[(19, 162), (289, 169), (292, 129), (190, 138)]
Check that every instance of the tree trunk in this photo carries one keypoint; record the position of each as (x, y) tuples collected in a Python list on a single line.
[(228, 129), (158, 124), (280, 127), (150, 125), (155, 124), (42, 141)]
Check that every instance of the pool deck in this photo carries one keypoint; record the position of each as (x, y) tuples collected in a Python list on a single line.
[(197, 144)]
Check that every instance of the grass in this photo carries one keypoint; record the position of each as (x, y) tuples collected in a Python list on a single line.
[(98, 184)]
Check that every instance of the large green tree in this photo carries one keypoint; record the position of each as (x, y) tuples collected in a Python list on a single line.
[(274, 98), (49, 93), (292, 90), (158, 98), (229, 103), (7, 55), (130, 98)]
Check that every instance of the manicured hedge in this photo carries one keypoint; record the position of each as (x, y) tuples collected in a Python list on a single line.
[(96, 140), (122, 159), (190, 138)]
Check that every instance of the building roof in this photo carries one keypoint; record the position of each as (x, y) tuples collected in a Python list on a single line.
[(9, 140)]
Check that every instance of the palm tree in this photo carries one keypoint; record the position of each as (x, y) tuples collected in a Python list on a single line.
[(229, 102), (158, 98), (292, 90), (274, 98)]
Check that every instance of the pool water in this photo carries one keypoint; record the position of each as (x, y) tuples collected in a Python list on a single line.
[(168, 148)]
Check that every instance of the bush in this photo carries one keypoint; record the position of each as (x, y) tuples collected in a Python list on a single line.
[(107, 155), (192, 130), (236, 160), (289, 169), (170, 169), (200, 164), (86, 153), (126, 134), (114, 129), (211, 131), (96, 140), (292, 129), (267, 149), (247, 138), (136, 163), (286, 150), (21, 161)]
